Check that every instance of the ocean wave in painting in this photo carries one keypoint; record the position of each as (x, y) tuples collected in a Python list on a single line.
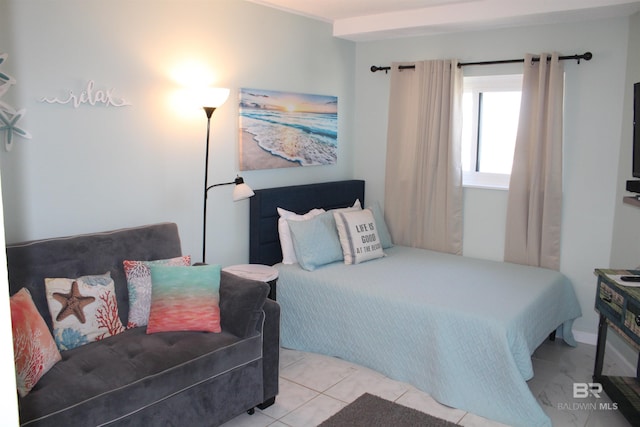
[(307, 135), (306, 138)]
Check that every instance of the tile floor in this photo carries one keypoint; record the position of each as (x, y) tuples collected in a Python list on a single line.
[(313, 387)]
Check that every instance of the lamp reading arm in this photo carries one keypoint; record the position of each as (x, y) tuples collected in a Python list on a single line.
[(240, 192), (216, 185)]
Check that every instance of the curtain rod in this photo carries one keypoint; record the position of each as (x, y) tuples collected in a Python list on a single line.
[(586, 56)]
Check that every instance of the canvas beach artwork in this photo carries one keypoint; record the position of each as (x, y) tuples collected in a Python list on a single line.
[(285, 129)]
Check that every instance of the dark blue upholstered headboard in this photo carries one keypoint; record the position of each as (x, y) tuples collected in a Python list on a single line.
[(264, 243)]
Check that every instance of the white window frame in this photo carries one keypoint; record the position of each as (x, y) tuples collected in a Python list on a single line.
[(475, 85)]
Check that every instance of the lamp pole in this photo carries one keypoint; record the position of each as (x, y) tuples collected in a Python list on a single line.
[(209, 112)]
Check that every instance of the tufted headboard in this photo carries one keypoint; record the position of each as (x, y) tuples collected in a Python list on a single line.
[(264, 243)]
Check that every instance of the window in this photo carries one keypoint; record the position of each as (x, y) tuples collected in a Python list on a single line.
[(490, 110)]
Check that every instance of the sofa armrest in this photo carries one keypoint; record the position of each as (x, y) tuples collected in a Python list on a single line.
[(271, 351), (241, 302)]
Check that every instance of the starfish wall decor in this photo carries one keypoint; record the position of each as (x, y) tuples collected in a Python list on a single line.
[(9, 116)]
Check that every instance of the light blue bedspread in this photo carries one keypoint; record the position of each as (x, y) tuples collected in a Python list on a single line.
[(461, 329)]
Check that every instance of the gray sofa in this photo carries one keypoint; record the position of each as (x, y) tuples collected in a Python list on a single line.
[(135, 379)]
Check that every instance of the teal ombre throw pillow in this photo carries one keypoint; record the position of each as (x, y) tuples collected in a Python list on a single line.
[(139, 286), (184, 299)]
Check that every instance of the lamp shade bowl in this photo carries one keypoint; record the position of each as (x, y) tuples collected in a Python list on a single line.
[(214, 97), (241, 190)]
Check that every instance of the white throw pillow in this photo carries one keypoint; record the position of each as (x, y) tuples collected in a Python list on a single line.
[(355, 207), (288, 253), (358, 236)]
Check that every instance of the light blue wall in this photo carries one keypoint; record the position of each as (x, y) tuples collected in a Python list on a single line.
[(98, 168), (626, 234), (594, 104), (8, 395), (626, 237)]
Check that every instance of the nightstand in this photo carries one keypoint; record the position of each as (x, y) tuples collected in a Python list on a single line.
[(619, 308), (259, 272)]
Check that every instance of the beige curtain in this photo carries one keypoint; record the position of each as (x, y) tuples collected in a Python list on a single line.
[(534, 207), (423, 181)]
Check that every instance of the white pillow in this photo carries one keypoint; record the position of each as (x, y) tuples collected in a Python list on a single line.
[(288, 253), (356, 207), (358, 236)]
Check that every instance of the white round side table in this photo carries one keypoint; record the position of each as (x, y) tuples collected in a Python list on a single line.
[(259, 272)]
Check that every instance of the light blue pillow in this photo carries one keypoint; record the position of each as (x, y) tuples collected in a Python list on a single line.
[(316, 241), (383, 231)]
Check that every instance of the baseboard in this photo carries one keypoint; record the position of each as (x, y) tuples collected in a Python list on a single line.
[(585, 337), (610, 350)]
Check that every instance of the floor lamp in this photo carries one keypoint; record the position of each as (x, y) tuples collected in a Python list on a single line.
[(241, 191)]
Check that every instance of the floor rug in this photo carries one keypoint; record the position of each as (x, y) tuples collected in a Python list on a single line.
[(373, 411)]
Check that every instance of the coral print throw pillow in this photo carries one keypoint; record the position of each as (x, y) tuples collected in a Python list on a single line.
[(34, 350), (83, 310)]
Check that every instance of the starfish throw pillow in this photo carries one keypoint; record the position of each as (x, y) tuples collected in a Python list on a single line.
[(34, 350), (83, 310)]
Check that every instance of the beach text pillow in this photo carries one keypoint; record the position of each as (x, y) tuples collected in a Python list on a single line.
[(358, 236), (83, 310)]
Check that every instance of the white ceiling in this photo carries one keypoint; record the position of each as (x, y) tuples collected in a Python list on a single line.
[(361, 20)]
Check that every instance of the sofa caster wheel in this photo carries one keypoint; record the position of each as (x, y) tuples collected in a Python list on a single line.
[(267, 403), (251, 411)]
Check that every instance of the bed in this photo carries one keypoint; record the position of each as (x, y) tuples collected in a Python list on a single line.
[(461, 329)]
